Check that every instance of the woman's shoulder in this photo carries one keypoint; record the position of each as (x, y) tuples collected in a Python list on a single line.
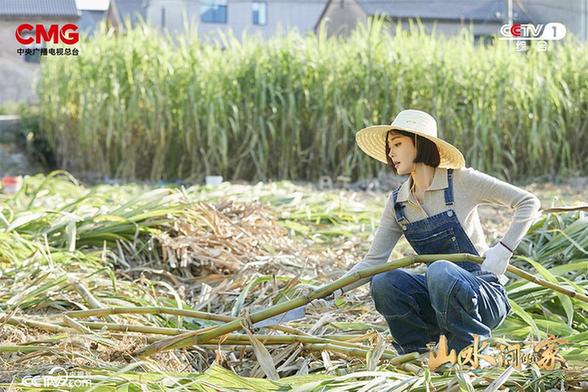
[(469, 174), (466, 171), (472, 182)]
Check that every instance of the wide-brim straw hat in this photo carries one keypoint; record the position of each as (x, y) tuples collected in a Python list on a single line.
[(372, 140)]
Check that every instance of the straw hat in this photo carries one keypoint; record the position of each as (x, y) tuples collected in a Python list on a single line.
[(372, 139)]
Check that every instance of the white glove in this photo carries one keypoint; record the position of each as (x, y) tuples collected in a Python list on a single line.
[(304, 289), (496, 259)]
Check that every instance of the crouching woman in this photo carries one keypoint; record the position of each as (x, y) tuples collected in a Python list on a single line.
[(435, 209)]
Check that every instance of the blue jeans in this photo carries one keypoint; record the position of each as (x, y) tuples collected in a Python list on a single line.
[(446, 300)]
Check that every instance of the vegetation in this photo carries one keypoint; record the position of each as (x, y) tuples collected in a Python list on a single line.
[(92, 277), (135, 105)]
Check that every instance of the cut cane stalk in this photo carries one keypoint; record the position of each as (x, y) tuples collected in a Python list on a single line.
[(206, 334)]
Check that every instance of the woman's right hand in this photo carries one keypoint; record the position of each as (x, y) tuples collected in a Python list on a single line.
[(305, 289)]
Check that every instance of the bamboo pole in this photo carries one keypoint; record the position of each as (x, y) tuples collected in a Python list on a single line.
[(234, 339), (337, 338), (16, 348), (566, 209), (18, 321), (100, 312), (167, 310), (75, 325), (133, 328), (340, 339), (278, 340), (541, 282), (87, 296), (206, 334), (394, 358), (201, 336), (361, 353)]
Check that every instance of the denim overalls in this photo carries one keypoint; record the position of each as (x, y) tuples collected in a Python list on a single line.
[(455, 299)]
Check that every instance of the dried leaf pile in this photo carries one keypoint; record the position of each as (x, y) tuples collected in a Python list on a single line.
[(220, 238)]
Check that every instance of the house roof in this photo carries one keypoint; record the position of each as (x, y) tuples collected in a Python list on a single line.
[(132, 9), (475, 10), (19, 8), (90, 19)]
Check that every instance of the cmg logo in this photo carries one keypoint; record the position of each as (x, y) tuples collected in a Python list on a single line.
[(67, 34)]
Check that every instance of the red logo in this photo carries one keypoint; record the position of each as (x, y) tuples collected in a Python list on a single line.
[(515, 30), (68, 33)]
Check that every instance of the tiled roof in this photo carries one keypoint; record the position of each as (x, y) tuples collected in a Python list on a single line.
[(485, 10)]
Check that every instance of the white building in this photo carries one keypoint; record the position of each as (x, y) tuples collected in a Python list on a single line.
[(264, 18)]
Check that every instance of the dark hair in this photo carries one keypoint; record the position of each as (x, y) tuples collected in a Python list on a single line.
[(427, 151)]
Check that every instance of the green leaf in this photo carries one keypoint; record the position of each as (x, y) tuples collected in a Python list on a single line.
[(519, 311), (24, 219), (564, 299), (464, 381)]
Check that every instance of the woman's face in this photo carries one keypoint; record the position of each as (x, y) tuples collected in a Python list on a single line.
[(402, 152)]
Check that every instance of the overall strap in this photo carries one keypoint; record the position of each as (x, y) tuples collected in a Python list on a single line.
[(399, 209), (449, 189)]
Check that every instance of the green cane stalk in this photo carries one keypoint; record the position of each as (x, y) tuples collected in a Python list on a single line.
[(204, 335)]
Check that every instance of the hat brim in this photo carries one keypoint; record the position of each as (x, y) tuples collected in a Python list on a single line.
[(372, 139)]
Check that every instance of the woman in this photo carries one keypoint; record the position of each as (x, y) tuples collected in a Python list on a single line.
[(436, 210)]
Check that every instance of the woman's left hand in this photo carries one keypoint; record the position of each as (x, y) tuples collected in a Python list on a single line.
[(496, 259)]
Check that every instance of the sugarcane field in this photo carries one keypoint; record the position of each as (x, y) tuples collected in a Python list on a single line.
[(341, 196)]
